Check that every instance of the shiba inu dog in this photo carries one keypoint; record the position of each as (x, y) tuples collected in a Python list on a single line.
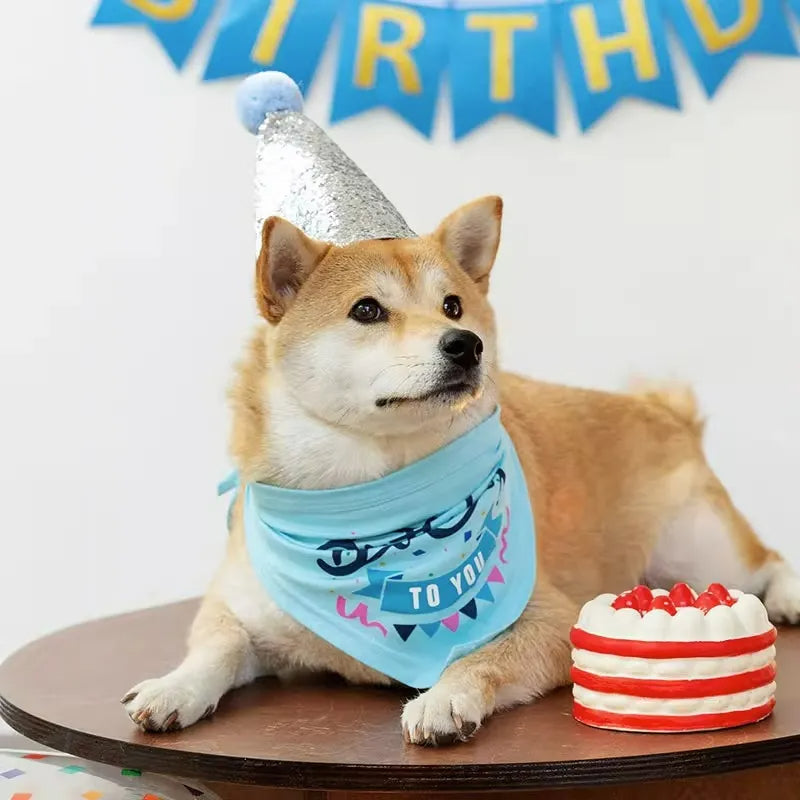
[(374, 355)]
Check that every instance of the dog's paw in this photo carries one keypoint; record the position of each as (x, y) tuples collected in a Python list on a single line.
[(441, 716), (782, 598), (169, 703)]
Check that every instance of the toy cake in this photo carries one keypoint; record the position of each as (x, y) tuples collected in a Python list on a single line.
[(658, 661)]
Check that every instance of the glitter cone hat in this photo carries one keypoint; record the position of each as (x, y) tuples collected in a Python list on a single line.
[(302, 176)]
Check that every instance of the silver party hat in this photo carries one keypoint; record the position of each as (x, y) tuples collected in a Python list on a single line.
[(302, 176)]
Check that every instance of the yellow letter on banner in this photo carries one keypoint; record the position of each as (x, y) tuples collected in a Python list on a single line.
[(501, 28), (371, 49), (168, 11), (595, 48), (272, 31), (715, 38)]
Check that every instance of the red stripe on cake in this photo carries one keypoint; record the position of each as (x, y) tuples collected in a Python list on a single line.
[(633, 648), (674, 689), (665, 724)]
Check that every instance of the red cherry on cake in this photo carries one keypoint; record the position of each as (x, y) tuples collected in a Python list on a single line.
[(721, 593), (644, 597), (663, 603), (681, 595), (626, 600), (706, 601)]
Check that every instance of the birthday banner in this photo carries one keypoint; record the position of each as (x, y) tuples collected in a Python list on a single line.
[(497, 56)]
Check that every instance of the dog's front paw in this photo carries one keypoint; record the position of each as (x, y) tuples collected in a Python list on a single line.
[(169, 703), (442, 716), (782, 598)]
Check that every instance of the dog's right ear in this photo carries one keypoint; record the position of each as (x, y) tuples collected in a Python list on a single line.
[(471, 236), (286, 259)]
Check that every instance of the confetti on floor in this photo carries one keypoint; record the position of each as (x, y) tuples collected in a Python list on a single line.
[(40, 776)]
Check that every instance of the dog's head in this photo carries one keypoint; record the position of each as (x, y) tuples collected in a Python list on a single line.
[(389, 336)]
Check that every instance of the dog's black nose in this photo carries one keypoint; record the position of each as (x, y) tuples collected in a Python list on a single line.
[(462, 347)]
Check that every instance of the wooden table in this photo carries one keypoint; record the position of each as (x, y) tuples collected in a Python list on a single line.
[(327, 741)]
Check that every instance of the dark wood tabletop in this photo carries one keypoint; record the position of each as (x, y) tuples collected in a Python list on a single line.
[(64, 690)]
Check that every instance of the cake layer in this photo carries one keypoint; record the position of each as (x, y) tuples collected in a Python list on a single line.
[(744, 618), (647, 687), (629, 646), (675, 668), (670, 724), (627, 704)]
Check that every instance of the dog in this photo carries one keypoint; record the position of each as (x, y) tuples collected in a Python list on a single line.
[(348, 379)]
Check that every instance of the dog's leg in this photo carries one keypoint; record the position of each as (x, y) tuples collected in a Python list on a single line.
[(709, 540), (531, 658), (782, 595), (220, 658)]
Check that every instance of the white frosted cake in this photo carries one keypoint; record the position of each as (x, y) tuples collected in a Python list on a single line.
[(673, 661)]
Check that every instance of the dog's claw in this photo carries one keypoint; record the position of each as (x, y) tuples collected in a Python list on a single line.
[(171, 722), (140, 717), (467, 730), (128, 697)]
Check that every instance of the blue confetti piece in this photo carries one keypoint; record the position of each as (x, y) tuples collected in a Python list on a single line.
[(12, 773), (467, 536), (419, 553)]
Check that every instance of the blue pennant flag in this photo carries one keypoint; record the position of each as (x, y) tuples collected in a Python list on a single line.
[(501, 62), (716, 32), (393, 55), (285, 35), (485, 594), (614, 49), (177, 24)]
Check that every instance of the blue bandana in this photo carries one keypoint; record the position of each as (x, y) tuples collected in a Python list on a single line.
[(409, 572)]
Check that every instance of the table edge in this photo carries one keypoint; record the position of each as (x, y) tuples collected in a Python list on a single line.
[(383, 777)]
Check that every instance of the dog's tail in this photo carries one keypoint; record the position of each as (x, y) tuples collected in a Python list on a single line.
[(677, 398)]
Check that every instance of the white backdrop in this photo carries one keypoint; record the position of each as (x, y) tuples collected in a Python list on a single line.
[(661, 243)]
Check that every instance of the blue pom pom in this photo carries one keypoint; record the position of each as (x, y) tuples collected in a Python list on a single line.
[(263, 93)]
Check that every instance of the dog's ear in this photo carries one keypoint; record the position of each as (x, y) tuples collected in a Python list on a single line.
[(471, 236), (286, 259)]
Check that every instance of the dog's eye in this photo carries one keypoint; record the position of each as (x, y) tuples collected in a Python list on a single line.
[(452, 307), (367, 310)]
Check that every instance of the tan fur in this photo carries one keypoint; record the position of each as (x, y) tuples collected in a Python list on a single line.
[(618, 482), (679, 398), (603, 470), (247, 404)]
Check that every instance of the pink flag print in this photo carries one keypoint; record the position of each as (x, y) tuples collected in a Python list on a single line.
[(451, 622), (495, 576)]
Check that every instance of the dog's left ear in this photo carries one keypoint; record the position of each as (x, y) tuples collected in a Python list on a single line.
[(286, 259), (471, 236)]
